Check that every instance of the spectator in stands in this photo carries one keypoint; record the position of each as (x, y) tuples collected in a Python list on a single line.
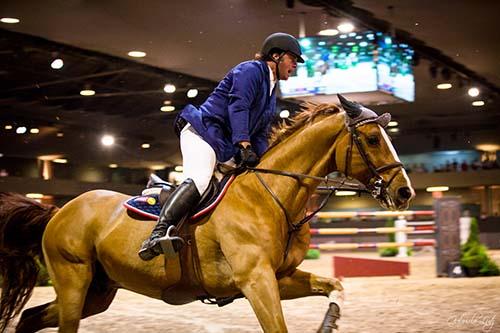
[(464, 166), (476, 165)]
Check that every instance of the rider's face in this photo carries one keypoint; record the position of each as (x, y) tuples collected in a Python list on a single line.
[(287, 65)]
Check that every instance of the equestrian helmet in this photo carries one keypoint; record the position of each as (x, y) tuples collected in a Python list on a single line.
[(283, 42)]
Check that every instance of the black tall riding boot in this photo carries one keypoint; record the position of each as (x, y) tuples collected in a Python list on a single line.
[(177, 206)]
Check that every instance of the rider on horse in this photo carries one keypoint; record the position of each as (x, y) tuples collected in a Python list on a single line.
[(231, 126)]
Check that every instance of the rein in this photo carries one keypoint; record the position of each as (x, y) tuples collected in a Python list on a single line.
[(294, 227), (377, 188), (340, 185)]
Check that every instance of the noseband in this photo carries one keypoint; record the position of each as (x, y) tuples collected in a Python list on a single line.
[(377, 186)]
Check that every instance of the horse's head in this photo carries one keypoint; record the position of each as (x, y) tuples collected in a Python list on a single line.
[(368, 155)]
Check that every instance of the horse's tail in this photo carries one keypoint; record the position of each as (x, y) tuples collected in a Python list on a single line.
[(22, 223)]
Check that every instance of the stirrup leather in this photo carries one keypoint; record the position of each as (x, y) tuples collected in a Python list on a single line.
[(167, 242)]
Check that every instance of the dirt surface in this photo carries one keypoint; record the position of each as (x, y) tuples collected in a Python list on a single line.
[(420, 303)]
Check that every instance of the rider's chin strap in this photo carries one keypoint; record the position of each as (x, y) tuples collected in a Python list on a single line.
[(277, 62)]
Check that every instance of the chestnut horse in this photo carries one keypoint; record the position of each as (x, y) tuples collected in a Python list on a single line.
[(90, 245)]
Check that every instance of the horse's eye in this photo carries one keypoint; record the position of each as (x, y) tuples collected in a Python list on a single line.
[(373, 140)]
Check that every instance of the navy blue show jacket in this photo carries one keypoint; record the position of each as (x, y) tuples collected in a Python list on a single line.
[(239, 109)]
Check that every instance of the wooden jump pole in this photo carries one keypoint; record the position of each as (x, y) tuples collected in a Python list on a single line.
[(355, 246)]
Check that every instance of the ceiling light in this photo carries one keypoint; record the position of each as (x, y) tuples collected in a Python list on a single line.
[(328, 32), (34, 195), (393, 130), (60, 134), (87, 92), (157, 167), (167, 108), (345, 193), (145, 146), (478, 103), (57, 64), (169, 88), (167, 102), (192, 93), (1, 155), (284, 114), (473, 92), (437, 189), (107, 140), (21, 130), (8, 127), (10, 20), (60, 160), (491, 147), (113, 166), (34, 131), (393, 123), (345, 27), (179, 168), (48, 157), (137, 54), (443, 86)]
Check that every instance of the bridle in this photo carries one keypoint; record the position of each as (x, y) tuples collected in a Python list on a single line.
[(376, 184), (377, 187)]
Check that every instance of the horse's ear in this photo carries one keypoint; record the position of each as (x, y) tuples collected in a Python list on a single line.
[(352, 109)]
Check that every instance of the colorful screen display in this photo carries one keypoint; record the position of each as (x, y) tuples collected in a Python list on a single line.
[(349, 63)]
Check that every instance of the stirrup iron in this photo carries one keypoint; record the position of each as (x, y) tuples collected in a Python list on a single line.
[(167, 243)]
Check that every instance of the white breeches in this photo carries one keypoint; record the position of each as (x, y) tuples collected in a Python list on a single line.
[(198, 158)]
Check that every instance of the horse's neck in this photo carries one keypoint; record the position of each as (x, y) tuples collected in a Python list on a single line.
[(310, 150)]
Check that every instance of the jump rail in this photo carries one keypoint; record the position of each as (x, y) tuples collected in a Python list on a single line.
[(354, 246)]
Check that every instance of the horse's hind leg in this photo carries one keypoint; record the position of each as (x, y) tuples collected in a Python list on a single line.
[(38, 317), (98, 299), (99, 296), (71, 276)]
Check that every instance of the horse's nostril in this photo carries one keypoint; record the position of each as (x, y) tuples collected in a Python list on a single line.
[(404, 192)]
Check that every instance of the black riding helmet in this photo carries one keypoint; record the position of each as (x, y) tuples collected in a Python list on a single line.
[(282, 42)]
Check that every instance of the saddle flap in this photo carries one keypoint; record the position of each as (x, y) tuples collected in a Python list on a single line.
[(149, 204)]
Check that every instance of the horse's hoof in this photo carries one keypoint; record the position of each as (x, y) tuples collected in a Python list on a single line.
[(330, 322)]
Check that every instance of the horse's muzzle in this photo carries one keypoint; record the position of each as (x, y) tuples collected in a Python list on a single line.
[(404, 193)]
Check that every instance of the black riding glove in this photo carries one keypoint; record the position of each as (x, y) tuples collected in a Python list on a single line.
[(246, 156)]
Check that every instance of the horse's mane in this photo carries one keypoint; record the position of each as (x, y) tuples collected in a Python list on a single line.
[(309, 112)]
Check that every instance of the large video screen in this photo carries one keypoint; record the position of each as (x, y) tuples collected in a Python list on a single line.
[(354, 62)]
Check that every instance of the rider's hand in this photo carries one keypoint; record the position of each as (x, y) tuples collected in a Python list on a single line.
[(246, 156)]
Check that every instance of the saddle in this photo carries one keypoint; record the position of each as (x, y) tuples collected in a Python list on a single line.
[(147, 206)]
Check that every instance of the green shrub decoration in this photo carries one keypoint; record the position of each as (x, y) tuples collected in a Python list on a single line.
[(388, 252), (43, 278), (312, 254), (474, 256), (391, 251)]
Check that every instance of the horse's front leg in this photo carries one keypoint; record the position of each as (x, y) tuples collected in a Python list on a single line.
[(257, 281), (302, 284)]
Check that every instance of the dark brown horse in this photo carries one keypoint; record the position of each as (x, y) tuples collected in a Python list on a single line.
[(90, 245)]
